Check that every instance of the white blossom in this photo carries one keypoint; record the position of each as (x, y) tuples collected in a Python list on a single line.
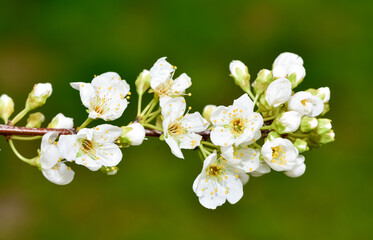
[(219, 181), (180, 132), (42, 90), (299, 168), (242, 157), (306, 104), (51, 163), (278, 92), (92, 148), (235, 124), (60, 121), (280, 154), (287, 64), (162, 83), (105, 97)]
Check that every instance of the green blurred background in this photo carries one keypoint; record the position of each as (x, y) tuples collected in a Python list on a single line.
[(151, 197)]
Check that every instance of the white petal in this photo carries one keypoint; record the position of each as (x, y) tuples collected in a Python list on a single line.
[(68, 146), (235, 191), (220, 115), (175, 149), (297, 171), (172, 107), (87, 92), (87, 161), (109, 155), (77, 85), (49, 157), (237, 64), (244, 103), (278, 92), (181, 83), (47, 140), (61, 174), (190, 141), (221, 136), (160, 72), (194, 122), (106, 133)]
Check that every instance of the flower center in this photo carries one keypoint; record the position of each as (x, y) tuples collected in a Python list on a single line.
[(304, 101), (237, 126), (214, 171), (164, 88), (175, 128), (99, 105), (278, 155), (87, 145)]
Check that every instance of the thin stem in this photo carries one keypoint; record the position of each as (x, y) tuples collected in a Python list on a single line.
[(256, 99), (151, 108), (208, 144), (26, 138), (147, 108), (266, 127), (32, 161), (139, 105), (201, 148), (152, 126), (153, 115), (269, 118), (250, 94), (19, 116), (256, 145), (298, 135), (86, 122)]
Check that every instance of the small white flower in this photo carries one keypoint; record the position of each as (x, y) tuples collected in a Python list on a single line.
[(278, 92), (234, 65), (280, 154), (137, 134), (299, 168), (324, 94), (180, 132), (235, 124), (162, 83), (218, 182), (60, 121), (105, 97), (289, 122), (42, 90), (306, 103), (287, 64), (51, 163), (92, 148)]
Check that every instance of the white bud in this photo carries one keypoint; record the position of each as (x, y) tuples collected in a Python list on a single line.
[(60, 121), (133, 134), (206, 114), (289, 65), (6, 107), (288, 122), (306, 103), (234, 65), (38, 95), (240, 74), (324, 94), (298, 169), (278, 92)]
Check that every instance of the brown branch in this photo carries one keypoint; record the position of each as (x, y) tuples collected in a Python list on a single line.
[(9, 131)]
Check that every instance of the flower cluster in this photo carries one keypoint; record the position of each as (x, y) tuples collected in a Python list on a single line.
[(267, 128)]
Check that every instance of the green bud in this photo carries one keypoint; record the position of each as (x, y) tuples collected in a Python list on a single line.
[(327, 137), (301, 145), (206, 114), (262, 81), (35, 120), (6, 107), (109, 170), (38, 96), (312, 91), (240, 74), (324, 126), (272, 135), (143, 82), (308, 123), (326, 109)]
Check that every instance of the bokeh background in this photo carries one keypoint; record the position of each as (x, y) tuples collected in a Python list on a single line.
[(151, 197)]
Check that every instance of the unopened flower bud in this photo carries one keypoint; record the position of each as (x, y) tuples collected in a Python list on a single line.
[(301, 145), (38, 96), (35, 120), (308, 123), (324, 126), (327, 137), (109, 170), (206, 114), (278, 92), (60, 121), (241, 75), (262, 81), (288, 122), (143, 82), (324, 94), (289, 65), (6, 107), (133, 134)]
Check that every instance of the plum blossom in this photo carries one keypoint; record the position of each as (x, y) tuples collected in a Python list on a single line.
[(105, 96), (306, 104)]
